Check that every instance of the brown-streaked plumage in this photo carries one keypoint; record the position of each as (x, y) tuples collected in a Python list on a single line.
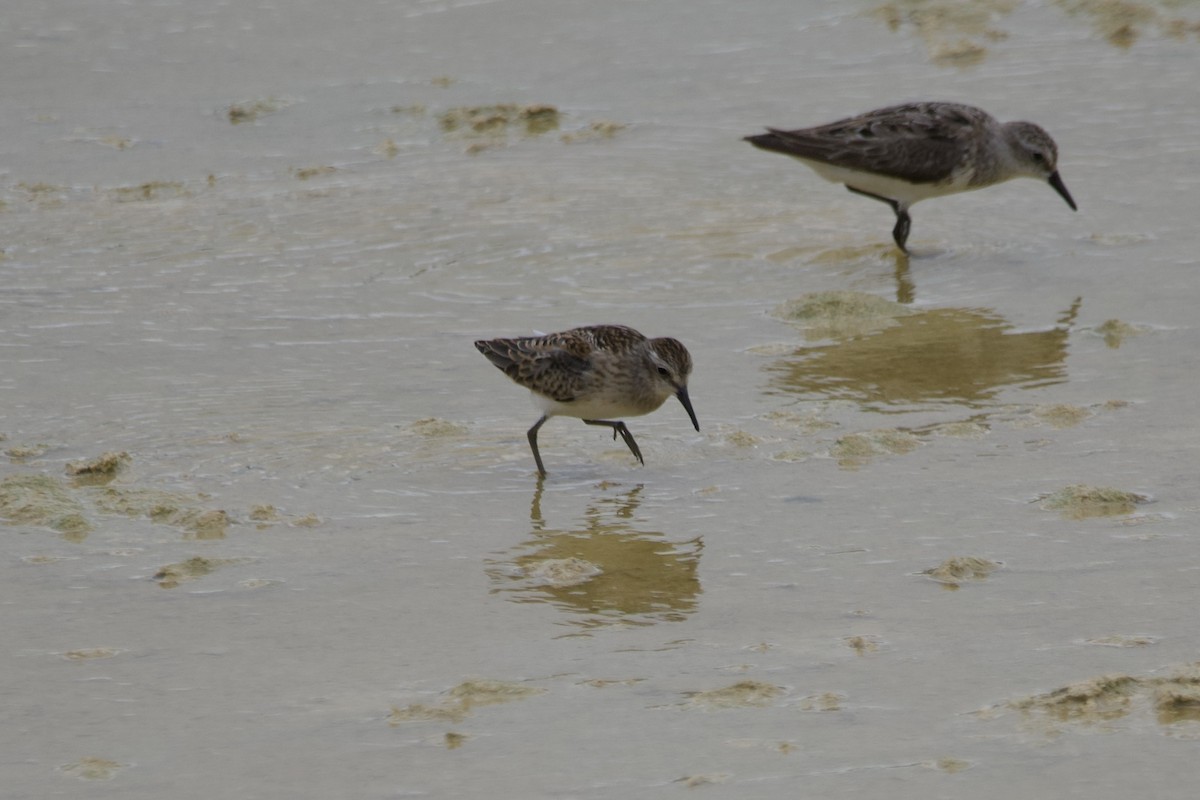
[(597, 373), (905, 153)]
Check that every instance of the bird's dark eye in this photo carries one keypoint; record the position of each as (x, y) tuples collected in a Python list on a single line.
[(666, 373), (1039, 158)]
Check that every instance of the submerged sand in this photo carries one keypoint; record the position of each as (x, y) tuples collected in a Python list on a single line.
[(270, 527)]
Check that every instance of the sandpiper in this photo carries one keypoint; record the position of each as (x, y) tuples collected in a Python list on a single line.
[(902, 154), (592, 373)]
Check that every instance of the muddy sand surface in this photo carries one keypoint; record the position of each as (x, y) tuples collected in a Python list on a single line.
[(270, 526)]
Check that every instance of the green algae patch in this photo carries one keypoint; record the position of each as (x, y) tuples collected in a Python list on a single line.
[(825, 701), (419, 712), (264, 513), (25, 452), (953, 571), (151, 190), (490, 125), (165, 508), (1122, 22), (458, 702), (839, 315), (856, 449), (91, 768), (475, 693), (304, 173), (1177, 697), (412, 109), (1081, 501), (97, 471), (1093, 700), (740, 438), (432, 427), (955, 34), (862, 645), (264, 516), (153, 503), (560, 572), (1115, 332), (211, 524), (704, 779), (599, 129), (1172, 700), (950, 765), (43, 195), (43, 501), (172, 575), (744, 694), (961, 430), (1176, 702), (1061, 415), (90, 653), (1118, 640), (252, 110)]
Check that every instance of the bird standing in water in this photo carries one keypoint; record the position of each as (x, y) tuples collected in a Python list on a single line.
[(902, 154), (595, 373)]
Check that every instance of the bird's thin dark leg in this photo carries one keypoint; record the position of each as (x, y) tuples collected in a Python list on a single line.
[(903, 221), (619, 427), (533, 444), (900, 232)]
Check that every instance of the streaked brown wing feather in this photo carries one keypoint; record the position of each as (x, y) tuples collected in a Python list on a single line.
[(557, 369), (611, 338), (919, 143), (558, 365)]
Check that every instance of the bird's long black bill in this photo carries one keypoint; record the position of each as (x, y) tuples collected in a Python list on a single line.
[(1061, 188), (687, 404)]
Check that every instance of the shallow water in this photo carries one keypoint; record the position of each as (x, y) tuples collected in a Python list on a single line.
[(248, 247)]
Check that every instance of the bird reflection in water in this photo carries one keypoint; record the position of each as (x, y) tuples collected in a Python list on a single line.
[(605, 570), (912, 358)]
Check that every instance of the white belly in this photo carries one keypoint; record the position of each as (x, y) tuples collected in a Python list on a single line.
[(893, 188), (601, 407)]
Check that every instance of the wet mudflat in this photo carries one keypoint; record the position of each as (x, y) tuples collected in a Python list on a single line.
[(271, 526)]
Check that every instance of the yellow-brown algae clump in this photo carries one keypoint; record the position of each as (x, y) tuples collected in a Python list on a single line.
[(172, 575), (166, 508), (432, 426), (495, 120), (561, 572), (855, 449), (1174, 699), (251, 111), (1080, 501), (840, 314), (1115, 332), (459, 701), (960, 568), (862, 644), (91, 768), (106, 464), (98, 471), (88, 654), (42, 500), (739, 695), (1061, 415), (1097, 699), (263, 513), (826, 701)]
